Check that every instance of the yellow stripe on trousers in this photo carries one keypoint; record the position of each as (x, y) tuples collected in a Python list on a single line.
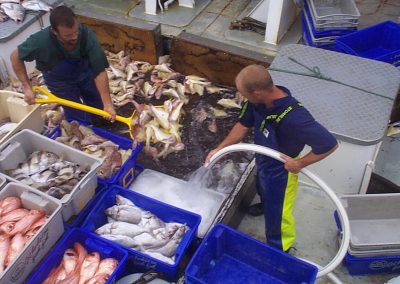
[(288, 226)]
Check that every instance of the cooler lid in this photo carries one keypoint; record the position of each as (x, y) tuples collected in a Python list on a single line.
[(351, 96)]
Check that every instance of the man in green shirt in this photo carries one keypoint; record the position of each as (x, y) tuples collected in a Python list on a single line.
[(72, 63)]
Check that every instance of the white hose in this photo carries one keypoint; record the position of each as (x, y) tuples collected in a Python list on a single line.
[(278, 156)]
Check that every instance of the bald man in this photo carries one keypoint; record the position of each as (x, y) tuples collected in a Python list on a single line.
[(280, 122)]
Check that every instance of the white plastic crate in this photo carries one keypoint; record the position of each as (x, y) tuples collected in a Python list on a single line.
[(27, 116), (45, 238), (16, 150), (325, 11)]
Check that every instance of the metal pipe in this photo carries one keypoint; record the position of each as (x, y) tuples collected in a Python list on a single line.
[(331, 194)]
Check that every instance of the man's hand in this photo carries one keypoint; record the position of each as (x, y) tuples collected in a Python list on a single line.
[(29, 95), (110, 109), (292, 165), (212, 153)]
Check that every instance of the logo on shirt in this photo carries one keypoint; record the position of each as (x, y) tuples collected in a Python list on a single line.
[(266, 132)]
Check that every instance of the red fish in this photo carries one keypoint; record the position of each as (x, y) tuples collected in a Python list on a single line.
[(89, 267), (14, 215), (4, 247), (23, 226), (17, 245), (9, 204), (7, 227)]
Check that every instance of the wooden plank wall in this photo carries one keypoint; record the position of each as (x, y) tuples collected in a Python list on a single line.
[(218, 62), (142, 41)]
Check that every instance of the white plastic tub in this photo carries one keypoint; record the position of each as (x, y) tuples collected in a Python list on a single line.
[(44, 239), (374, 221), (16, 149), (26, 116)]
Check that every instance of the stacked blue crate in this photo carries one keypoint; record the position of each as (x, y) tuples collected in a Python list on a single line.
[(324, 20)]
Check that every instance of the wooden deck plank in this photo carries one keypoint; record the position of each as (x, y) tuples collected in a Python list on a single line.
[(216, 61)]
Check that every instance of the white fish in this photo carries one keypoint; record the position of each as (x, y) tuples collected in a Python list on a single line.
[(120, 200), (161, 116), (228, 103), (121, 228), (125, 213), (151, 221), (122, 240), (36, 5), (3, 16), (15, 11), (169, 249), (162, 136)]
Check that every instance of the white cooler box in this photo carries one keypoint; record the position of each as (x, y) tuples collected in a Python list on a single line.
[(37, 247), (13, 106), (16, 150)]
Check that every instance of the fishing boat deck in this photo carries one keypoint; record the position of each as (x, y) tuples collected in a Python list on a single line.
[(316, 229)]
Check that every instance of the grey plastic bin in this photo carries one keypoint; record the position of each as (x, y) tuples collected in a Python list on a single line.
[(374, 221), (2, 181), (325, 11), (16, 149), (45, 238)]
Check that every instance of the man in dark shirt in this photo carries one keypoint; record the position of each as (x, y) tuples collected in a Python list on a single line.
[(280, 122), (72, 63)]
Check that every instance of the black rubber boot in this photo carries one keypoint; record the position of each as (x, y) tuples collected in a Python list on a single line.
[(255, 210)]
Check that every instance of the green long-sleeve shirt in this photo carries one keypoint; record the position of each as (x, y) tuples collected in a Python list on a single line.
[(48, 52)]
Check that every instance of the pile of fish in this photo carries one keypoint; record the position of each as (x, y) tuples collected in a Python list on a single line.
[(16, 9), (141, 230), (83, 138), (79, 266), (49, 173), (17, 226), (6, 126), (158, 128), (137, 78)]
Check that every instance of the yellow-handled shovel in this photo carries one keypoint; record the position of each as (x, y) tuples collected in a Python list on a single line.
[(54, 99)]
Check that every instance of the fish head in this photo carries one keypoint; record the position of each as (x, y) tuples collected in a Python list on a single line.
[(49, 158), (7, 227)]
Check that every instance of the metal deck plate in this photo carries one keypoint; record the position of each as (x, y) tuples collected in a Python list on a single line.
[(9, 29), (353, 115)]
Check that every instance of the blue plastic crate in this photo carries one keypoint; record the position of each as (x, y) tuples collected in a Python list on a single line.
[(326, 32), (91, 243), (126, 174), (371, 265), (379, 42), (165, 212), (100, 190), (229, 256)]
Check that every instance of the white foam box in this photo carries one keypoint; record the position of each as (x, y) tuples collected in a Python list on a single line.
[(13, 106), (17, 148), (37, 247)]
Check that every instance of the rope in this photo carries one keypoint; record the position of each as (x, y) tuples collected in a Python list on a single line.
[(316, 73)]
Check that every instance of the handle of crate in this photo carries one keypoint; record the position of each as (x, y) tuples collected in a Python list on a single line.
[(131, 175), (34, 198)]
